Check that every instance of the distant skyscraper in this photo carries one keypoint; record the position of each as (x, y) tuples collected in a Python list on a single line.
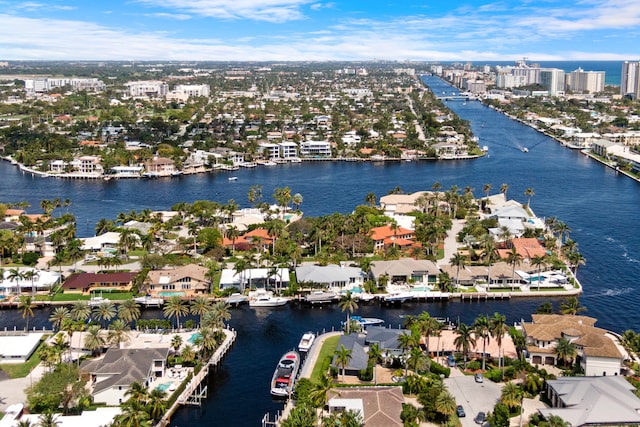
[(552, 79), (630, 79)]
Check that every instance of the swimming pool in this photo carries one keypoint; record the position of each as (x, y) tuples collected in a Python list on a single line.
[(171, 294), (192, 339), (164, 386)]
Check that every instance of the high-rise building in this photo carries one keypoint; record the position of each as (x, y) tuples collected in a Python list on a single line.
[(630, 79), (585, 81), (552, 79)]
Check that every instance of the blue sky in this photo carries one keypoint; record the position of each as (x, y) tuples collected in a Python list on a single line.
[(295, 30)]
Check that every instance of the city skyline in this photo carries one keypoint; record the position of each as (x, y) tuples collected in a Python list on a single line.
[(300, 30)]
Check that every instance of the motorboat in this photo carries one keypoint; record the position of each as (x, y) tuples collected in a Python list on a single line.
[(264, 298), (236, 298), (363, 296), (96, 301), (284, 377), (233, 178), (306, 342), (367, 321), (525, 150), (320, 297), (397, 297), (149, 301)]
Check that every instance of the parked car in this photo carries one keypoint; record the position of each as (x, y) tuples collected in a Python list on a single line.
[(479, 378), (451, 361), (480, 418), (460, 411)]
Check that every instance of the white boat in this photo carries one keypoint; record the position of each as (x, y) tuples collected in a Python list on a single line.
[(306, 341), (236, 299), (525, 150), (397, 297), (368, 321), (262, 298), (284, 377), (320, 297), (233, 178), (485, 148), (363, 296), (295, 160), (96, 301), (268, 163), (149, 301)]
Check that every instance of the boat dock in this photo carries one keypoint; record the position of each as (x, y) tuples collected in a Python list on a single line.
[(195, 389)]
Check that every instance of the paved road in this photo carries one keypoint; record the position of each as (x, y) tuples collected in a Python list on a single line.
[(13, 390), (474, 397), (450, 243)]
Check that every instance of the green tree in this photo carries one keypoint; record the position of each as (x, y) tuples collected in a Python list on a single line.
[(464, 340), (512, 395), (118, 332), (498, 328), (105, 311), (199, 307), (514, 259), (342, 357), (94, 341), (26, 306), (80, 311), (175, 307), (445, 404), (459, 261), (129, 311), (571, 306), (59, 315), (566, 351), (529, 193), (348, 303), (481, 330), (157, 404)]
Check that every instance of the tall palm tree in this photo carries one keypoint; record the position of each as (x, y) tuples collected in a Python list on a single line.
[(219, 314), (529, 193), (199, 307), (565, 350), (498, 328), (459, 261), (464, 340), (134, 414), (319, 391), (157, 403), (59, 315), (539, 261), (80, 311), (514, 258), (118, 332), (208, 341), (503, 189), (175, 307), (15, 275), (129, 311), (445, 404), (348, 303), (232, 233), (73, 250), (481, 330), (94, 340), (512, 395), (137, 392), (26, 306), (105, 311), (342, 358), (417, 360)]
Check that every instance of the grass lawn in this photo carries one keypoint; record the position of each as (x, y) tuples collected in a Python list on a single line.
[(115, 296), (324, 358), (21, 370)]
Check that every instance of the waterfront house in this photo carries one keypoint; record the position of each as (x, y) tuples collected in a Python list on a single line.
[(188, 280), (527, 248), (315, 149), (379, 406), (88, 166), (329, 276), (405, 270), (387, 236), (159, 166), (104, 243), (88, 283), (254, 278), (113, 374), (18, 347), (584, 401), (393, 204), (598, 351), (35, 280)]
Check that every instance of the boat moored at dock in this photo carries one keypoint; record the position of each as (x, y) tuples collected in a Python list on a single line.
[(262, 298), (284, 376), (306, 342)]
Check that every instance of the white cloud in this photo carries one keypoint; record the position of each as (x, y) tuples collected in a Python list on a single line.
[(176, 16), (276, 11)]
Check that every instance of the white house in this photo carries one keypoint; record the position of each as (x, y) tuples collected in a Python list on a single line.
[(340, 276), (288, 150), (315, 149)]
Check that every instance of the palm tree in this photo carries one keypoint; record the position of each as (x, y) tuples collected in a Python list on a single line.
[(503, 189), (348, 304), (498, 328), (199, 307), (15, 275), (118, 332), (458, 261), (175, 307), (417, 360), (105, 311), (576, 259), (319, 391), (539, 261), (445, 404), (176, 342), (80, 311), (74, 251), (129, 311), (342, 358), (59, 315), (48, 419), (512, 395), (232, 233), (26, 306), (157, 404), (93, 340), (529, 193), (565, 350), (464, 340), (371, 199), (137, 392), (486, 188), (134, 414), (219, 313), (514, 258), (481, 330), (572, 306), (208, 341), (187, 354)]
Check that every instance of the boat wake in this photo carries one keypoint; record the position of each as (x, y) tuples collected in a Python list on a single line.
[(614, 292)]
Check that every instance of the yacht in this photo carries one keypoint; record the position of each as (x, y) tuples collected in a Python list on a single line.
[(149, 301), (233, 178), (320, 297), (367, 321), (236, 299), (306, 341), (262, 298), (284, 377)]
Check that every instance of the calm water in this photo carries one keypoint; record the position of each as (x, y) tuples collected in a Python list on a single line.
[(599, 206)]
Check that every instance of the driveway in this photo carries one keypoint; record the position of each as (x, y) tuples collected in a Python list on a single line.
[(474, 397)]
